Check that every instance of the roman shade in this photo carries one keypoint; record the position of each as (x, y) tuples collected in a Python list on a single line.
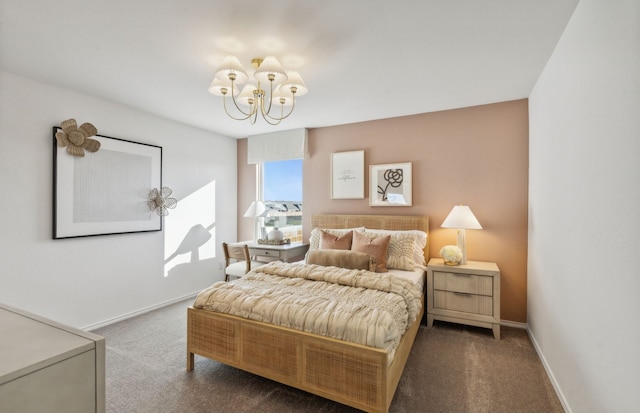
[(277, 146)]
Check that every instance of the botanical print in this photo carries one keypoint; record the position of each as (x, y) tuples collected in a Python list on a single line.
[(390, 185), (390, 178)]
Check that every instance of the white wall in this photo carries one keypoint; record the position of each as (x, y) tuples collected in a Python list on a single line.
[(584, 218), (88, 281)]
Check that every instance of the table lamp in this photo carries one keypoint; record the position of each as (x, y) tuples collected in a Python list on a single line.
[(461, 218), (255, 211)]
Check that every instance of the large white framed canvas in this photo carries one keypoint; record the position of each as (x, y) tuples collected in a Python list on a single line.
[(105, 192), (390, 184), (347, 175)]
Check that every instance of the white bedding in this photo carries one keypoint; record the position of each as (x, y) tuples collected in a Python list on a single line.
[(417, 276)]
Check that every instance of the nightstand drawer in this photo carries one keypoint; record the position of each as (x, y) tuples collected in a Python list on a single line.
[(465, 294), (265, 253), (468, 303), (463, 283)]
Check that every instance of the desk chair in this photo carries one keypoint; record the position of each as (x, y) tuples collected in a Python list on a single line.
[(237, 260)]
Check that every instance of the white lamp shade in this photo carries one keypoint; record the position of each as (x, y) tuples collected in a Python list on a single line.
[(231, 64), (270, 66), (255, 210), (281, 94), (295, 80), (461, 217), (215, 88), (246, 97)]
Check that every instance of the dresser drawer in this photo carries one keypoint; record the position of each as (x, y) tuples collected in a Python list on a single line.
[(463, 283), (468, 303), (265, 253)]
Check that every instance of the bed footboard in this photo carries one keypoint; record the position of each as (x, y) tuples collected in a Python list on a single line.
[(345, 372)]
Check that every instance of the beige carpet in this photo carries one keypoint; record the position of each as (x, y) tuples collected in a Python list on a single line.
[(451, 369)]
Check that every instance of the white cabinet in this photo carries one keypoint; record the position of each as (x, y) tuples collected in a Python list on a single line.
[(466, 294), (49, 367)]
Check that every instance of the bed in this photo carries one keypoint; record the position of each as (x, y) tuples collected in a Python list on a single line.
[(353, 374)]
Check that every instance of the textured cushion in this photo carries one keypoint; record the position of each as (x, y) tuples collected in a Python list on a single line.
[(372, 246), (335, 242), (419, 246), (352, 260), (314, 239), (238, 269)]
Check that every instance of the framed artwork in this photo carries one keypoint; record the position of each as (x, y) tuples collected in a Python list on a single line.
[(390, 184), (105, 192), (347, 175)]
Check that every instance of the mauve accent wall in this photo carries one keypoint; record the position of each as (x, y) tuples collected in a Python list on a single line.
[(477, 156)]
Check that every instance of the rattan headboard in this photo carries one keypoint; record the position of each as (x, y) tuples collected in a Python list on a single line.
[(390, 222)]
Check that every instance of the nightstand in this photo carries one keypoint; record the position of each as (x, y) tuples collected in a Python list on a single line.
[(285, 252), (466, 294)]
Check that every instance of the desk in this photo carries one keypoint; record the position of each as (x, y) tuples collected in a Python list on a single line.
[(284, 252)]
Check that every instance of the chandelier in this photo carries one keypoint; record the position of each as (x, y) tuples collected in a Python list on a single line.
[(283, 87)]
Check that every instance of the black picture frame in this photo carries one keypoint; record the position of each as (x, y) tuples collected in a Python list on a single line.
[(105, 192)]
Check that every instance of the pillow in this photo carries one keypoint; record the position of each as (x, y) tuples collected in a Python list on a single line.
[(420, 241), (352, 260), (372, 246), (401, 249), (335, 242), (314, 239)]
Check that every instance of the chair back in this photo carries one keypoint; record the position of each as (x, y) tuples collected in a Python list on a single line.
[(236, 253)]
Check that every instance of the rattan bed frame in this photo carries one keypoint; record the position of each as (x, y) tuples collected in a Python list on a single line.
[(349, 373)]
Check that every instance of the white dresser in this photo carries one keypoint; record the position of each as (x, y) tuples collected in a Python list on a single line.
[(49, 367), (466, 294)]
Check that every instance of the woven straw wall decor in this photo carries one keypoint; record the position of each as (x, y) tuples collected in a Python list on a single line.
[(76, 139), (159, 201)]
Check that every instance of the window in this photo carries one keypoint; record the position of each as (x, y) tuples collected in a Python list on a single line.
[(282, 195)]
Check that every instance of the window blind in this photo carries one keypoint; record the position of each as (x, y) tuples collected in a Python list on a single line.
[(277, 146)]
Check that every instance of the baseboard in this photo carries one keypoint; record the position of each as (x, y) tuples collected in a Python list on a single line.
[(553, 380), (138, 312), (514, 324)]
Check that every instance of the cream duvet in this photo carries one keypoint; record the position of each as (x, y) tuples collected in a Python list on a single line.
[(373, 309)]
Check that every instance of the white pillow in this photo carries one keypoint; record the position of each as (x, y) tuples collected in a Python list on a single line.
[(401, 249), (314, 239), (420, 242)]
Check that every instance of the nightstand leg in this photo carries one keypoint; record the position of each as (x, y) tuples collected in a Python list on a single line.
[(496, 331), (429, 320)]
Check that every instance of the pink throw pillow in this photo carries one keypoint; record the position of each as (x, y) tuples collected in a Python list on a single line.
[(335, 242), (377, 247)]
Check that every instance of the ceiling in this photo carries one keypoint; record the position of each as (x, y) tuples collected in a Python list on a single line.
[(360, 59)]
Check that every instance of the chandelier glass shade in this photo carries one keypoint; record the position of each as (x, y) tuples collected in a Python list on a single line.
[(271, 90)]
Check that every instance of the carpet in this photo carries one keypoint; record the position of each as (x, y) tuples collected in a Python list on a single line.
[(451, 368)]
